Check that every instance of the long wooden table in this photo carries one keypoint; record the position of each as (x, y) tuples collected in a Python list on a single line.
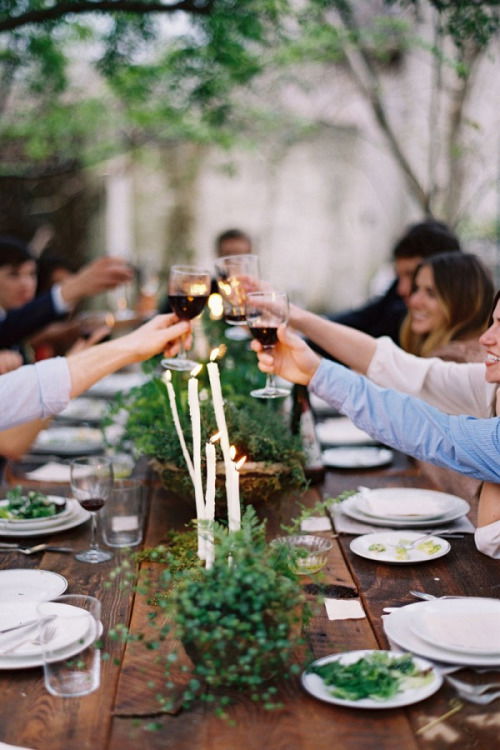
[(116, 717)]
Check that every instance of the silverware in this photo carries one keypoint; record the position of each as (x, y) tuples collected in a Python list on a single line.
[(49, 633), (35, 549), (473, 697), (429, 597), (26, 624), (467, 687)]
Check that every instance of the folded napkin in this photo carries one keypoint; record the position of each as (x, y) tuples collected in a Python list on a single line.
[(50, 472), (4, 746), (344, 609), (316, 523), (346, 525), (341, 431), (404, 507)]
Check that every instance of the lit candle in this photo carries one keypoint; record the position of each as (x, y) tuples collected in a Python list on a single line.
[(210, 500), (167, 379), (194, 411)]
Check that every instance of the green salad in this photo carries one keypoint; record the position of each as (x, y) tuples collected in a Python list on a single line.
[(21, 505), (377, 675)]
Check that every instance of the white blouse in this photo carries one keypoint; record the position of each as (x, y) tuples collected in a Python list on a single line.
[(452, 387)]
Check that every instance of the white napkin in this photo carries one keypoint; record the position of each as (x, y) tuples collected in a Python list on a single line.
[(4, 746), (50, 472), (406, 507), (346, 525), (344, 609), (341, 431), (316, 523)]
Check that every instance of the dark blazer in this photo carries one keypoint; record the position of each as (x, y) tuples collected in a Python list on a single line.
[(26, 320)]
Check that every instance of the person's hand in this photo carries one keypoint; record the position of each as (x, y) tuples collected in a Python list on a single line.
[(291, 358), (96, 277), (160, 334), (9, 361)]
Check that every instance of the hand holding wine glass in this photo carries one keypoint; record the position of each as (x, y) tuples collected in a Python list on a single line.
[(265, 311), (91, 483), (188, 291)]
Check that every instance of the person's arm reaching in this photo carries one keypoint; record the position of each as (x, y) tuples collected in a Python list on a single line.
[(41, 390), (465, 444)]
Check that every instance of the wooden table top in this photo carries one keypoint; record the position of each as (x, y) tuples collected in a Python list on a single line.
[(116, 716)]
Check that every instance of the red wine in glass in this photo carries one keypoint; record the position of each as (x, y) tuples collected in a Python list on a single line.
[(187, 307), (92, 503), (91, 479), (265, 311), (267, 335)]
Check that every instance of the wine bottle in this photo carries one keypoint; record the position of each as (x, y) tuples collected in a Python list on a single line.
[(302, 423)]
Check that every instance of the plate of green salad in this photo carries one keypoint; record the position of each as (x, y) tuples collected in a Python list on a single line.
[(371, 679), (23, 506), (401, 547)]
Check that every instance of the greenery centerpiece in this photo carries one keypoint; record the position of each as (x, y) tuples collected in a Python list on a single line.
[(259, 431)]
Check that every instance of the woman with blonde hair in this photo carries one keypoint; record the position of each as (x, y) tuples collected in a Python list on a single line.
[(449, 308)]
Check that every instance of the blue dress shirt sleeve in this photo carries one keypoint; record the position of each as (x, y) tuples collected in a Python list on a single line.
[(465, 444), (34, 391)]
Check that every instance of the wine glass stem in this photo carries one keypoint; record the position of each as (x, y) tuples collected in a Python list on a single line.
[(270, 377), (93, 532), (182, 348)]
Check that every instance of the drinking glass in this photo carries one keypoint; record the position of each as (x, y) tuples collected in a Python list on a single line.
[(265, 311), (188, 291), (123, 514), (236, 276), (91, 483), (69, 631)]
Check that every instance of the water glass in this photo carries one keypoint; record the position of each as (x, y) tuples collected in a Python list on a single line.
[(123, 515), (69, 632)]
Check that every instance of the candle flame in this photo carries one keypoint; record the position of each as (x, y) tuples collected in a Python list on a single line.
[(240, 463), (215, 437), (196, 371), (232, 452), (216, 306)]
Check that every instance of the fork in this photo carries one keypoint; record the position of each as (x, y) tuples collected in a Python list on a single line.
[(35, 549), (467, 687), (50, 632)]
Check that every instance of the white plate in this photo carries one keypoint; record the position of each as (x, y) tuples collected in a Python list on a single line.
[(341, 431), (68, 441), (77, 516), (401, 503), (397, 627), (21, 585), (351, 508), (316, 687), (73, 628), (29, 661), (120, 381), (85, 409), (27, 523), (468, 625), (361, 546), (362, 457)]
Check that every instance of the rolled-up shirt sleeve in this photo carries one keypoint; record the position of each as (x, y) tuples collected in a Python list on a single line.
[(465, 444), (34, 391), (487, 539)]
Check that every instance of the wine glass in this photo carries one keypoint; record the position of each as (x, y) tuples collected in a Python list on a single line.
[(236, 276), (91, 483), (188, 291), (265, 311)]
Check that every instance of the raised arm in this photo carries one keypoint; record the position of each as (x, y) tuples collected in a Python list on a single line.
[(353, 348)]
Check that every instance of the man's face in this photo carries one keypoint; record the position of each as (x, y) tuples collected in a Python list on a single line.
[(405, 269), (17, 284), (235, 246)]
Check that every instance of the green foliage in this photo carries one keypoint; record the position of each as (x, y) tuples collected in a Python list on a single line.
[(239, 621)]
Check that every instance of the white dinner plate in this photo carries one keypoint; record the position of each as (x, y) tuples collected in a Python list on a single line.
[(467, 625), (68, 441), (316, 687), (351, 507), (358, 457), (84, 409), (67, 632), (45, 521), (21, 585), (76, 516), (119, 381), (390, 539), (341, 431), (398, 628), (401, 503)]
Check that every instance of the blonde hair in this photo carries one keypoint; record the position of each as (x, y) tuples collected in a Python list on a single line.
[(465, 291)]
